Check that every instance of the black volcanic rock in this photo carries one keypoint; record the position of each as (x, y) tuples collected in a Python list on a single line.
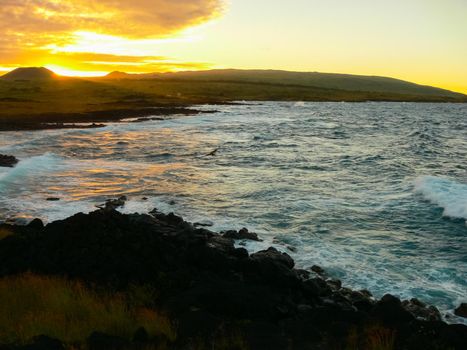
[(210, 287), (36, 224), (391, 310), (8, 161), (242, 234), (461, 310), (421, 310), (41, 342), (100, 341)]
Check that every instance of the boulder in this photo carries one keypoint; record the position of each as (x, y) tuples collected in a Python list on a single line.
[(36, 224), (43, 342), (242, 234), (99, 341), (273, 255), (140, 335), (205, 223), (8, 161), (335, 284), (318, 270), (112, 204), (390, 310), (421, 311), (461, 310), (316, 287), (359, 299), (273, 268)]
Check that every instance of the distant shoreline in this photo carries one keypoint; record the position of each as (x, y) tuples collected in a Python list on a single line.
[(90, 120), (97, 119), (37, 99)]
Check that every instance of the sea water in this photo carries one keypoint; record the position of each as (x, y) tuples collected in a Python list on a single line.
[(375, 193)]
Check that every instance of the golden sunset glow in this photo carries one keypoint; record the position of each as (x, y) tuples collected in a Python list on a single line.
[(422, 40), (68, 72)]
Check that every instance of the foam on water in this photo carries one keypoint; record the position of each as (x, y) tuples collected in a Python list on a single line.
[(447, 194), (33, 166)]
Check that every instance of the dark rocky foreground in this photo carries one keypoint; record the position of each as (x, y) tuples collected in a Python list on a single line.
[(210, 288)]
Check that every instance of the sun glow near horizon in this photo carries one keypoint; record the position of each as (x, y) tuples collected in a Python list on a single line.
[(67, 72)]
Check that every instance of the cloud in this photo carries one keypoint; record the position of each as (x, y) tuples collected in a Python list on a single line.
[(117, 32), (132, 64), (134, 19)]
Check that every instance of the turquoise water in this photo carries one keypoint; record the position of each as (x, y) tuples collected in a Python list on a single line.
[(376, 193)]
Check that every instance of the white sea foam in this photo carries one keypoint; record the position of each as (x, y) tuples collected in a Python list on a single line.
[(445, 193), (299, 104), (28, 167)]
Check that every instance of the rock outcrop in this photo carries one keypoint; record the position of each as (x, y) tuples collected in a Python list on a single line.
[(209, 286), (8, 161), (461, 310)]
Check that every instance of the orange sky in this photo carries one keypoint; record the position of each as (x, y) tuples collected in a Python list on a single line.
[(424, 41)]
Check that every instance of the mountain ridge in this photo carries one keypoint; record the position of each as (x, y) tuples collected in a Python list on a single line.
[(340, 81), (330, 81)]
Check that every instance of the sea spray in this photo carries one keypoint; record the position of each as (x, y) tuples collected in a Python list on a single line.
[(447, 194), (33, 166)]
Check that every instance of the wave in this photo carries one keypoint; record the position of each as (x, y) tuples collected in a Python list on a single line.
[(27, 167), (447, 194)]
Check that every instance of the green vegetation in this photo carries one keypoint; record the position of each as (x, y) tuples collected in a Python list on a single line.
[(42, 97), (372, 337), (5, 232), (200, 91), (33, 305), (28, 99), (331, 81)]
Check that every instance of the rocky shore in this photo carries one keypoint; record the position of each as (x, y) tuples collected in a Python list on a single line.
[(214, 290), (89, 120)]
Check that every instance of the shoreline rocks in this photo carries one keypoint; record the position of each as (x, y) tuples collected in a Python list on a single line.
[(8, 161), (112, 204), (461, 310), (208, 286), (242, 234)]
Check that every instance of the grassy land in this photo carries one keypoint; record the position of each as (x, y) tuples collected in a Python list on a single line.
[(5, 232), (63, 99), (64, 96), (68, 310), (33, 305), (330, 81), (200, 91)]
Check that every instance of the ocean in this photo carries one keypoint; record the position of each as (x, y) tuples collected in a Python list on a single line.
[(375, 193)]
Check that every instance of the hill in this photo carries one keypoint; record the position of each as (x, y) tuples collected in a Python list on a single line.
[(346, 82), (118, 75), (31, 97), (29, 73), (331, 81)]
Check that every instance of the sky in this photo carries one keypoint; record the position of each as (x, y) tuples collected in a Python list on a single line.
[(424, 41)]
